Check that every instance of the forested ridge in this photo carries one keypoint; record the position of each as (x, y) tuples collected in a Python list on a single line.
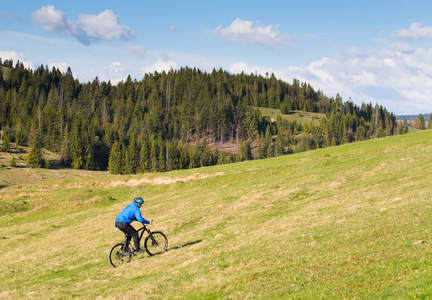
[(172, 120)]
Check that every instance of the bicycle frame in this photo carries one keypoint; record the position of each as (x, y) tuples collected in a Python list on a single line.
[(142, 229)]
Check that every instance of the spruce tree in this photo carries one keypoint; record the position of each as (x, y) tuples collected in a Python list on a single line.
[(154, 155), (421, 122), (430, 121), (162, 156), (34, 157), (280, 147), (89, 156), (400, 128), (115, 159), (129, 166), (76, 147), (145, 164), (185, 156), (5, 147)]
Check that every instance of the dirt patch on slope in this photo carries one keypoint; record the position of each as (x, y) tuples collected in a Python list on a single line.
[(161, 180)]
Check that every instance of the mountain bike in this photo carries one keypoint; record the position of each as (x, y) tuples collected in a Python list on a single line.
[(155, 243)]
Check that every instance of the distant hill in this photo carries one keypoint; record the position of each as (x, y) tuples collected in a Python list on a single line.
[(411, 117), (177, 119)]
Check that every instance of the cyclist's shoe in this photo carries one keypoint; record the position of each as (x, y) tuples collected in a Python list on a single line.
[(138, 251)]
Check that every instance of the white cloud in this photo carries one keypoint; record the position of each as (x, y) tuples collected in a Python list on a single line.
[(253, 33), (414, 32), (104, 25), (115, 73), (401, 48), (137, 50), (116, 68), (52, 20), (239, 67), (390, 62), (397, 76), (160, 66), (16, 56), (62, 66)]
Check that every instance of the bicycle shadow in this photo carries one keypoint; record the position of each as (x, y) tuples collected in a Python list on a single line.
[(185, 245), (179, 247)]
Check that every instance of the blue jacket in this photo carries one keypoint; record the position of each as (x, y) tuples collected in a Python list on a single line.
[(131, 213)]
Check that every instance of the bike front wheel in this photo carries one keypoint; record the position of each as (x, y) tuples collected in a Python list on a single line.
[(156, 243), (119, 255)]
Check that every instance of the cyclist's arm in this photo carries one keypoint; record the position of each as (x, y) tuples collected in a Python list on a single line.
[(139, 217)]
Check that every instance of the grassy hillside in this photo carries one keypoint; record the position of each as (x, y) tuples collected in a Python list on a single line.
[(352, 221), (22, 174), (5, 72)]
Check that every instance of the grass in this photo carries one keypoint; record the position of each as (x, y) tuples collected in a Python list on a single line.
[(22, 174), (335, 223), (5, 72), (295, 115)]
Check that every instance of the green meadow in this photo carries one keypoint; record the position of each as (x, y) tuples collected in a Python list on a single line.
[(295, 115), (5, 71), (346, 222)]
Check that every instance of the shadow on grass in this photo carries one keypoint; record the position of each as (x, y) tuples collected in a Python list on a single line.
[(185, 245), (178, 247)]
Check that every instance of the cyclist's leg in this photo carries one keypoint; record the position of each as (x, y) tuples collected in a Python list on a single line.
[(129, 231), (127, 228), (136, 240)]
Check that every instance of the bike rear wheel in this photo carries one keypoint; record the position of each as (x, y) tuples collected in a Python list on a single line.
[(156, 243), (119, 255)]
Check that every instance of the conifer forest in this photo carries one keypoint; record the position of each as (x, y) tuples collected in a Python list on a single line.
[(173, 120)]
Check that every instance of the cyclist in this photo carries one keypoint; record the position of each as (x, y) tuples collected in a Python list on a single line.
[(129, 214)]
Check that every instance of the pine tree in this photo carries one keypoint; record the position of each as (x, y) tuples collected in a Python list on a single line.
[(5, 147), (185, 156), (34, 157), (206, 157), (173, 156), (262, 148), (115, 159), (76, 147), (400, 129), (162, 156), (89, 156), (280, 145), (154, 155), (421, 122), (245, 151), (129, 165), (145, 165)]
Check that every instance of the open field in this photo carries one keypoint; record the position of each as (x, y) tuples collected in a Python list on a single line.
[(352, 221), (22, 174), (295, 115)]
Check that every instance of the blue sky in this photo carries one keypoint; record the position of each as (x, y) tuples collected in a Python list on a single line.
[(370, 51)]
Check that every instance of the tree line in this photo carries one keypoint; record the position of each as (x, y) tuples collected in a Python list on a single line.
[(172, 120)]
